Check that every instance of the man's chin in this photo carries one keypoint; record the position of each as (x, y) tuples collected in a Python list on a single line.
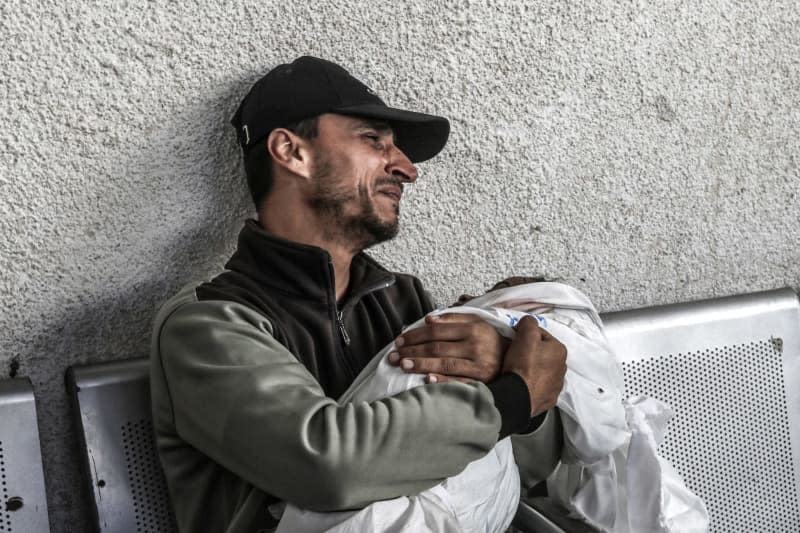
[(377, 232), (389, 212)]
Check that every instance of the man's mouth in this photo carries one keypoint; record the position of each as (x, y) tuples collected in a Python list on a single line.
[(392, 192)]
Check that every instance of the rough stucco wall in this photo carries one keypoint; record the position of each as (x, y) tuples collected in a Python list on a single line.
[(645, 152)]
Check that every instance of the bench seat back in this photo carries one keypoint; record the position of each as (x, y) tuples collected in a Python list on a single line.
[(23, 501), (124, 477), (730, 370)]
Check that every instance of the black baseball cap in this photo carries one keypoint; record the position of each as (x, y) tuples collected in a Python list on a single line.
[(309, 86)]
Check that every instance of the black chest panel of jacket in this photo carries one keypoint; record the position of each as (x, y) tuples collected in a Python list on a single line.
[(292, 285)]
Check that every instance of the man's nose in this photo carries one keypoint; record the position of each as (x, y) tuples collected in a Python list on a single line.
[(400, 166)]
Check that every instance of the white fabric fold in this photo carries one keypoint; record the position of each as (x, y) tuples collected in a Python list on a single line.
[(611, 475)]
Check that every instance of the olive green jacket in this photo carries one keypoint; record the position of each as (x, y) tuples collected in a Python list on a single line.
[(242, 422)]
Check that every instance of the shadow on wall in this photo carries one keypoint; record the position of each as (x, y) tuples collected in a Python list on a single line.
[(190, 168)]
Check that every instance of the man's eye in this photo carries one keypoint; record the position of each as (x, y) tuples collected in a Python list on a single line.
[(375, 140)]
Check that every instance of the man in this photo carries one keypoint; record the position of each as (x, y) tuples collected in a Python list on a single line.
[(246, 368)]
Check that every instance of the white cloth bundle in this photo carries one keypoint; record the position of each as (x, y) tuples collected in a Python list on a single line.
[(610, 475)]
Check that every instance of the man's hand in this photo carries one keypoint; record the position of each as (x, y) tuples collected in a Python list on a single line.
[(451, 346), (540, 360)]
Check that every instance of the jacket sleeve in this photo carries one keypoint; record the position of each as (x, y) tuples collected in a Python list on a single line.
[(537, 453), (241, 398)]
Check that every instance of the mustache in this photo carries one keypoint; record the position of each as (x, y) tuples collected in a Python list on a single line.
[(389, 180)]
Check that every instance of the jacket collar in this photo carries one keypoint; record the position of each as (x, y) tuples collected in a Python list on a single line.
[(301, 270)]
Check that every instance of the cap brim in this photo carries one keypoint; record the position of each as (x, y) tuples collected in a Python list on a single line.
[(418, 135)]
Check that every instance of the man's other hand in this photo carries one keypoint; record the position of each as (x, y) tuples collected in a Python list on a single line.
[(449, 346), (540, 360)]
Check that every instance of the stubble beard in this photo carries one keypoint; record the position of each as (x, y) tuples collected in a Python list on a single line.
[(360, 230)]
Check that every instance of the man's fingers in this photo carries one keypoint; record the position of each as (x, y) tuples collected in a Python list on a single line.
[(453, 318), (540, 359), (529, 326), (432, 349), (437, 330), (451, 344), (440, 378), (446, 366)]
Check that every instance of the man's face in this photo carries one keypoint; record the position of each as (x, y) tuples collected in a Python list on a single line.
[(357, 179)]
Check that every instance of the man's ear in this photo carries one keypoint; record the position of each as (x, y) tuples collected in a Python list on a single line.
[(290, 151)]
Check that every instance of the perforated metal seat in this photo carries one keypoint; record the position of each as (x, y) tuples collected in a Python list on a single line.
[(124, 477), (22, 490), (730, 369)]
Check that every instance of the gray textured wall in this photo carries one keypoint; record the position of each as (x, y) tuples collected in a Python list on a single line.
[(644, 151)]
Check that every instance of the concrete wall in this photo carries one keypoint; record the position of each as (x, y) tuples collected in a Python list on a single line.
[(646, 152)]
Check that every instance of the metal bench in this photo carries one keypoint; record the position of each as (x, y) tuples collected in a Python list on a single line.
[(114, 424), (730, 369), (22, 490)]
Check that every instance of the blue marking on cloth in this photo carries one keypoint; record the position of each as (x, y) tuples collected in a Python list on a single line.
[(512, 320)]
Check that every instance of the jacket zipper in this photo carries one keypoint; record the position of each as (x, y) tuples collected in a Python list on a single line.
[(342, 329), (340, 314)]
